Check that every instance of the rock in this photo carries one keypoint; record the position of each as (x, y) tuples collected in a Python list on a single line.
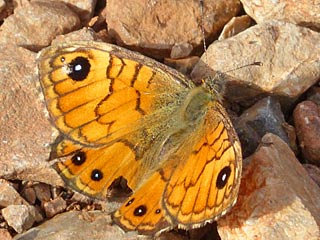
[(20, 217), (288, 56), (235, 26), (54, 206), (184, 65), (263, 117), (29, 194), (43, 192), (313, 94), (3, 13), (27, 134), (181, 50), (84, 34), (20, 28), (155, 27), (4, 234), (8, 195), (277, 198), (77, 226), (314, 172), (304, 13), (83, 8), (307, 122)]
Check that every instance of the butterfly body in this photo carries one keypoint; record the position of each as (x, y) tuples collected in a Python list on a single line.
[(123, 115)]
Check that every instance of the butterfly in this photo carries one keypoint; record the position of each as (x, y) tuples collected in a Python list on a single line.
[(122, 115)]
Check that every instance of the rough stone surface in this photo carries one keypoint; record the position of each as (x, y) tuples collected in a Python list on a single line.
[(264, 116), (25, 139), (314, 172), (77, 226), (314, 94), (277, 199), (54, 206), (288, 56), (157, 25), (235, 26), (43, 192), (304, 12), (4, 234), (20, 217), (9, 195), (184, 65), (307, 122), (20, 28), (29, 194), (83, 8)]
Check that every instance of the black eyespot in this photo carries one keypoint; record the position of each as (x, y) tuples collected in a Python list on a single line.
[(223, 177), (129, 202), (79, 158), (140, 211), (79, 68), (96, 175), (158, 211)]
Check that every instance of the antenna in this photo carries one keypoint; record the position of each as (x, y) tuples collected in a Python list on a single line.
[(202, 25)]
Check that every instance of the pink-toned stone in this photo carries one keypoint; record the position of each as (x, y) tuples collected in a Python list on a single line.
[(314, 172), (4, 234), (8, 195), (155, 26), (20, 217), (277, 198), (303, 12), (235, 26), (54, 207), (26, 136), (84, 34), (35, 24), (78, 225), (288, 56), (83, 8), (307, 122), (43, 192)]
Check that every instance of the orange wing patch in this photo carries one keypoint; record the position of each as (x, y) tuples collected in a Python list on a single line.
[(92, 171), (95, 97), (143, 211), (203, 186)]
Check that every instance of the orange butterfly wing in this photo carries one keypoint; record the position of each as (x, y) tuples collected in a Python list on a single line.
[(123, 115), (103, 101), (197, 183)]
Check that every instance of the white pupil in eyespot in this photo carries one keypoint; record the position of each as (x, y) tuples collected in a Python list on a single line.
[(224, 176), (77, 67)]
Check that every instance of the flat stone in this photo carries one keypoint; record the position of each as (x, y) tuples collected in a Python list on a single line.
[(288, 57), (277, 198), (20, 27), (303, 13), (26, 137), (77, 226), (154, 27)]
